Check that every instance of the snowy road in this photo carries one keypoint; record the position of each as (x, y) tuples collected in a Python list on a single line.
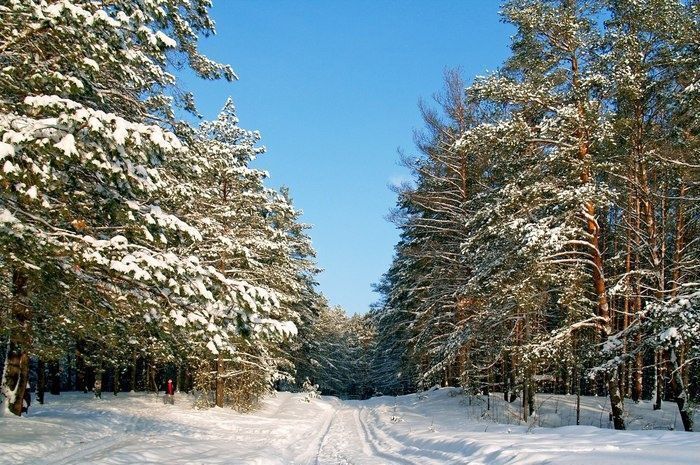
[(436, 428)]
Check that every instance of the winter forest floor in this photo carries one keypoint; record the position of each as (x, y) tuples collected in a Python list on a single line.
[(435, 427)]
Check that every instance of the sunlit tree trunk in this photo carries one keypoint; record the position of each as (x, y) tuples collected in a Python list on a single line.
[(16, 372), (593, 230), (220, 381), (678, 384), (680, 393)]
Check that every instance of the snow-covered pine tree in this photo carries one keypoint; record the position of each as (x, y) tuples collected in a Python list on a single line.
[(85, 105), (251, 234), (431, 214), (395, 365), (649, 54), (577, 237), (553, 190)]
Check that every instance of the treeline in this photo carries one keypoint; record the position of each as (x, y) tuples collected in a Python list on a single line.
[(549, 241), (135, 247), (338, 357)]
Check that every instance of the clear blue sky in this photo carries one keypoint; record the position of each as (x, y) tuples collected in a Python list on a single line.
[(333, 88)]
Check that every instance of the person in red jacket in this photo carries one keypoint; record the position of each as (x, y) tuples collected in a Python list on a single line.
[(169, 393), (171, 388)]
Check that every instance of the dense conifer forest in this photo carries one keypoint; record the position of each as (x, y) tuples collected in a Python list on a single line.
[(549, 238)]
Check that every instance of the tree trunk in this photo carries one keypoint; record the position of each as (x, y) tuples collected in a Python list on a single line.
[(513, 379), (132, 373), (220, 381), (70, 383), (680, 393), (659, 380), (181, 380), (54, 377), (16, 372), (89, 378), (616, 403), (638, 371), (626, 307), (526, 397), (41, 381), (678, 384), (506, 379), (578, 397), (593, 230), (487, 389), (151, 373), (115, 380), (98, 381), (80, 381)]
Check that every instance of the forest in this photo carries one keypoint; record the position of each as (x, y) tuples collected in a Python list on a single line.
[(550, 241), (549, 238)]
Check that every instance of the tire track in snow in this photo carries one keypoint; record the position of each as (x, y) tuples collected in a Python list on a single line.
[(422, 455), (375, 445), (366, 449), (314, 447), (345, 443), (328, 443), (84, 451)]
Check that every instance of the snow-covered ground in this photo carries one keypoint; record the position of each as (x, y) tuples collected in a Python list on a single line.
[(436, 427)]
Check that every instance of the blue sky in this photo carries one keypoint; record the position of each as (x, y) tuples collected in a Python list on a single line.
[(333, 87)]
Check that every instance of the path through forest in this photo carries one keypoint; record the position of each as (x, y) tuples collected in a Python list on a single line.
[(437, 427)]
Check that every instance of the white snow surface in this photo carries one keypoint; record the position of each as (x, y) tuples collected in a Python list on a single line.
[(435, 427)]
